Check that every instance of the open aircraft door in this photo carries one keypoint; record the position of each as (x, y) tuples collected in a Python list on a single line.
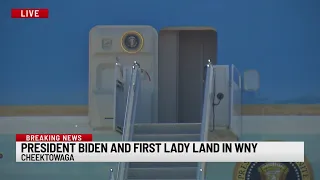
[(123, 44)]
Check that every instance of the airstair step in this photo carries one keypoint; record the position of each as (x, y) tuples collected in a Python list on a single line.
[(162, 165), (166, 137), (222, 135), (162, 173), (167, 128)]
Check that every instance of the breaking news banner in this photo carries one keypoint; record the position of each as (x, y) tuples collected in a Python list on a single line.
[(81, 148)]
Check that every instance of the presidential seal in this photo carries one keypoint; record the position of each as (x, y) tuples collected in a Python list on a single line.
[(273, 171), (132, 42)]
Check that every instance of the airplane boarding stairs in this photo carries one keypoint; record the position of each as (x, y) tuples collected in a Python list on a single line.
[(165, 132)]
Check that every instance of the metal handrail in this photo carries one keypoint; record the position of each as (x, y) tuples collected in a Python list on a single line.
[(120, 96), (130, 113), (207, 114), (111, 175)]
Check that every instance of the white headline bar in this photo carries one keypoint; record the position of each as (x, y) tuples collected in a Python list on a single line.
[(160, 151)]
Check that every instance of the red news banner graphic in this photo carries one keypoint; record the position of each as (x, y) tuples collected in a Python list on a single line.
[(53, 137), (48, 147), (29, 13)]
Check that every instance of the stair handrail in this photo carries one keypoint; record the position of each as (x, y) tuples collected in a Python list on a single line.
[(207, 114), (130, 113), (111, 175), (119, 93), (119, 74)]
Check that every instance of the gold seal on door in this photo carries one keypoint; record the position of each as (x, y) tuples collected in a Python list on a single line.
[(132, 42)]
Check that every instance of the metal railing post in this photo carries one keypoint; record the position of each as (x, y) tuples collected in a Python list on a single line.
[(130, 113), (206, 113)]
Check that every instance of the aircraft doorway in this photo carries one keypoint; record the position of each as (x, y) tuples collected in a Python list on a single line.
[(183, 54)]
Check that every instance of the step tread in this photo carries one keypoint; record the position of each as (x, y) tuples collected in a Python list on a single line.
[(166, 137), (167, 128), (163, 173), (162, 164), (222, 135), (165, 124)]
